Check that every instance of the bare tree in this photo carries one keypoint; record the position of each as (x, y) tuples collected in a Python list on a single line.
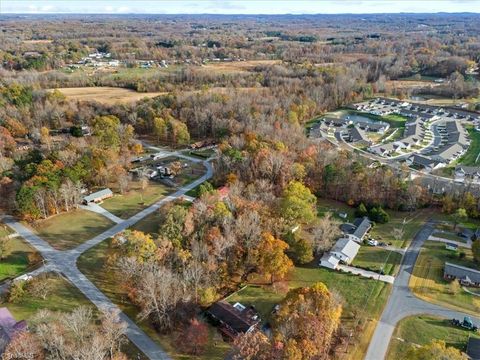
[(325, 232)]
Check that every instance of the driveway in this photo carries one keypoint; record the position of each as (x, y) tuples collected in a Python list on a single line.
[(367, 274), (65, 262), (402, 303)]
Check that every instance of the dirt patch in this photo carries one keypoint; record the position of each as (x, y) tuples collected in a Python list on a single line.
[(106, 95), (238, 66)]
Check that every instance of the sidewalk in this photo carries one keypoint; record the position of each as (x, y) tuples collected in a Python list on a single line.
[(368, 274)]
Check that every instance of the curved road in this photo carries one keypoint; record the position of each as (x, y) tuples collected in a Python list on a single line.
[(65, 262), (403, 303)]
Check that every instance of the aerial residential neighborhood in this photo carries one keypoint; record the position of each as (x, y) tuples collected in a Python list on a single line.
[(245, 180)]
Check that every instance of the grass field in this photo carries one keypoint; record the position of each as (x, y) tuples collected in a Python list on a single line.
[(376, 258), (449, 236), (106, 95), (472, 154), (427, 279), (63, 297), (237, 66), (364, 301), (395, 120), (91, 264), (421, 330), (124, 206), (67, 230), (17, 261), (4, 230)]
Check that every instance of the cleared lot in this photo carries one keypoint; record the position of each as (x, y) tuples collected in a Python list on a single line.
[(106, 95)]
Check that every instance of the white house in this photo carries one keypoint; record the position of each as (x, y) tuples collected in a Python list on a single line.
[(329, 261), (345, 250)]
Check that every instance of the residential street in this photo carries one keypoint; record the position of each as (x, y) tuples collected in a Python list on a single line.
[(65, 262), (403, 303)]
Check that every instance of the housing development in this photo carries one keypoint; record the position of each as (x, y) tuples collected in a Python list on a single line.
[(248, 180)]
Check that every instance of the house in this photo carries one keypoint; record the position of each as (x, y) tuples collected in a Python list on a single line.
[(358, 136), (9, 327), (329, 261), (98, 196), (357, 230), (234, 319), (423, 162), (466, 276), (345, 250), (473, 348), (467, 172), (451, 246)]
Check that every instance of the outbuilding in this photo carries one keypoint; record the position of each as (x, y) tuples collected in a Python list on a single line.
[(98, 196)]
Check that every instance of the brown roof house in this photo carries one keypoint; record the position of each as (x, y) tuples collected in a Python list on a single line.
[(234, 319)]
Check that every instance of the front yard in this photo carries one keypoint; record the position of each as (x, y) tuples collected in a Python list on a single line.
[(134, 201), (68, 230), (376, 258), (16, 262), (422, 330), (427, 280)]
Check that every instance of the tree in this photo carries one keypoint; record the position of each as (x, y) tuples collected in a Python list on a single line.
[(273, 261), (159, 128), (24, 346), (361, 210), (303, 250), (106, 130), (252, 346), (476, 250), (454, 287), (193, 338), (5, 247), (137, 244), (45, 137), (325, 232), (459, 215), (298, 203), (436, 350), (40, 286), (306, 321), (173, 225)]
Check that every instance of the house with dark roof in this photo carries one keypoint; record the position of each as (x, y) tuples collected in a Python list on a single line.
[(473, 348), (9, 328), (357, 230), (466, 276), (358, 136), (423, 162), (471, 173), (234, 319)]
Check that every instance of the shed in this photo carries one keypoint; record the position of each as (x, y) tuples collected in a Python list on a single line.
[(98, 196), (329, 261)]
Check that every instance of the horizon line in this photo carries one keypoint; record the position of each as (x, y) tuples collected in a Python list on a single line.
[(236, 14)]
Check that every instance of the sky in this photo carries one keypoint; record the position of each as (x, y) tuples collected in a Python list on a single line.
[(236, 6)]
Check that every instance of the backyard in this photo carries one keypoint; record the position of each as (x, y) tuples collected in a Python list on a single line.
[(421, 330), (135, 200), (92, 262), (427, 279), (364, 300), (70, 229)]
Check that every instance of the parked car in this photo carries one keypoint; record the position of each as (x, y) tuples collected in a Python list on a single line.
[(372, 242)]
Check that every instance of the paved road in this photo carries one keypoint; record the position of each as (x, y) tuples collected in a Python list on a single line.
[(65, 262), (403, 303), (100, 210)]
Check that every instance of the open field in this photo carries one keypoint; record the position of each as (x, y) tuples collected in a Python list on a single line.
[(238, 66), (4, 230), (421, 330), (126, 205), (63, 297), (106, 95), (92, 264), (17, 261), (67, 230), (364, 300), (471, 157), (427, 279), (375, 259)]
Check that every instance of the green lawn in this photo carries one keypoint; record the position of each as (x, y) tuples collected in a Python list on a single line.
[(470, 157), (91, 263), (127, 205), (17, 260), (63, 297), (4, 230), (364, 300), (203, 154), (449, 236), (376, 258), (395, 120), (68, 230), (421, 330), (335, 207), (409, 222), (427, 279)]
